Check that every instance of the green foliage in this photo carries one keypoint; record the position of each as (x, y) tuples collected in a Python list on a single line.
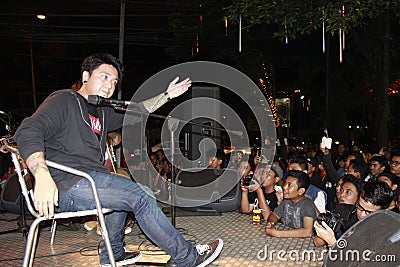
[(300, 17)]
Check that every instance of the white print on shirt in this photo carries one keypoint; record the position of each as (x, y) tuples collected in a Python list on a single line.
[(95, 123), (292, 216)]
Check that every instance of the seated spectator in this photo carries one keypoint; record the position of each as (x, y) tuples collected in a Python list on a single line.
[(296, 210), (375, 195), (393, 182), (264, 193), (317, 195)]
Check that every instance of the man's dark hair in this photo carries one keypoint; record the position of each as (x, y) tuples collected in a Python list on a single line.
[(391, 176), (93, 61), (302, 162), (303, 180), (360, 167), (377, 193), (381, 160), (350, 178), (395, 153), (355, 154)]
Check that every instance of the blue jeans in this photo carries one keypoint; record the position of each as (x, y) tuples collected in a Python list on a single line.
[(123, 195)]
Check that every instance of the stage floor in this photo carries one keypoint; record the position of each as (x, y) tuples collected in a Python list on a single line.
[(245, 244)]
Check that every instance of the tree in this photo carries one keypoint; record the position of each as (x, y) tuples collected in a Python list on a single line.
[(358, 19)]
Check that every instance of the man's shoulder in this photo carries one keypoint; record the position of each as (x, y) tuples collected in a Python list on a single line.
[(64, 94), (306, 201)]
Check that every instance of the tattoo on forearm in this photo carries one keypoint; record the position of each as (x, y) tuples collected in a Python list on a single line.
[(36, 162), (156, 102)]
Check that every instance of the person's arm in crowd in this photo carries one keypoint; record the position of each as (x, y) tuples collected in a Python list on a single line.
[(244, 200), (333, 176), (262, 202), (305, 231), (325, 233)]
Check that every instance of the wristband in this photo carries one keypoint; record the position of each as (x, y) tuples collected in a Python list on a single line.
[(167, 95)]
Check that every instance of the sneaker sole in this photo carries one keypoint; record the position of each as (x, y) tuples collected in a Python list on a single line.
[(88, 228), (125, 262), (216, 253)]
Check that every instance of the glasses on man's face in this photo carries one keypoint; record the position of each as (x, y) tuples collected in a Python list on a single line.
[(360, 208), (395, 163)]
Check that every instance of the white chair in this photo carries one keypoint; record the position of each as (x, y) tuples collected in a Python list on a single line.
[(34, 228)]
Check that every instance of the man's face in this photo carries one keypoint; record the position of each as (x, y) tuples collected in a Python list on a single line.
[(290, 189), (294, 167), (341, 148), (348, 159), (395, 165), (102, 81), (214, 162), (244, 168), (376, 168), (268, 178), (365, 208), (166, 167), (348, 194), (350, 170), (153, 160), (259, 173)]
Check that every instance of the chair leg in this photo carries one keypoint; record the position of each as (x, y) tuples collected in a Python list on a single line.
[(29, 250), (53, 231), (106, 238)]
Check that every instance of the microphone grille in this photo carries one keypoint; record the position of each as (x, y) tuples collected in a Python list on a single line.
[(93, 99)]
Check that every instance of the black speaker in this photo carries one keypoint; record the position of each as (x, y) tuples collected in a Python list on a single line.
[(373, 241), (208, 189), (11, 195)]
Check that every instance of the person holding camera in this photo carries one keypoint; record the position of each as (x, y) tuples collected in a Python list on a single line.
[(265, 180), (343, 214), (374, 196)]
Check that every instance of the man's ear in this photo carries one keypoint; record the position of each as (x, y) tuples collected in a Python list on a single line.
[(85, 75), (302, 191), (394, 187)]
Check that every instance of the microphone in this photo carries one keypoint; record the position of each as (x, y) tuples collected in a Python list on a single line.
[(101, 101)]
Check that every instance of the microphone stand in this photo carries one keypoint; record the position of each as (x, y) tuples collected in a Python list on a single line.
[(172, 126)]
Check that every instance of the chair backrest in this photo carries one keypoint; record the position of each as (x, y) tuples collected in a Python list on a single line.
[(23, 177), (208, 189)]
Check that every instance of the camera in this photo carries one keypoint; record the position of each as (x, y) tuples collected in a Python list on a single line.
[(247, 181), (333, 220)]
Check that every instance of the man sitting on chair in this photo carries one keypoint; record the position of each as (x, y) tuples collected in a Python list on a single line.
[(68, 130)]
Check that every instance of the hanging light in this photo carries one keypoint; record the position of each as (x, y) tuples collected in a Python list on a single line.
[(240, 33)]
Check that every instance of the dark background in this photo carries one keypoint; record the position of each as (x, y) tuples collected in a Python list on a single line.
[(45, 55)]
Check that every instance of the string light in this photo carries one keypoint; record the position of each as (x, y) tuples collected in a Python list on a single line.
[(266, 91)]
